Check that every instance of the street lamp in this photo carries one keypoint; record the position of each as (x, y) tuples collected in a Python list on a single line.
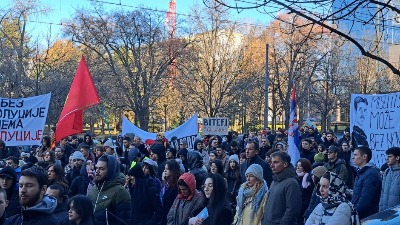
[(165, 117)]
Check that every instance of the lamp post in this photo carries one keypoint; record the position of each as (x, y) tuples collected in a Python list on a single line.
[(165, 117)]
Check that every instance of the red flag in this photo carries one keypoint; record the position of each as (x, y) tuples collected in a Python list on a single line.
[(82, 95)]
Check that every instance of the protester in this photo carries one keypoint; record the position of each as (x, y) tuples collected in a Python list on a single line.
[(252, 157), (158, 155), (334, 207), (284, 196), (303, 170), (335, 164), (78, 177), (80, 210), (232, 176), (112, 202), (390, 195), (251, 197), (61, 211), (199, 146), (367, 185), (218, 208), (3, 205), (145, 198), (197, 168), (8, 182), (60, 156), (170, 189), (188, 203), (55, 175), (32, 186)]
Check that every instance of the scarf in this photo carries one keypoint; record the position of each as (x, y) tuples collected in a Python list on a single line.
[(337, 192), (248, 192)]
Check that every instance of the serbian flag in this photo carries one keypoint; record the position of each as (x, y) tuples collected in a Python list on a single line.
[(293, 132), (82, 95)]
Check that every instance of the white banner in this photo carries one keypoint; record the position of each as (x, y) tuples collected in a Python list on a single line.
[(22, 120), (187, 131), (375, 122), (215, 126)]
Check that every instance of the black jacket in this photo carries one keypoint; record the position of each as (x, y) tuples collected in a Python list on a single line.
[(267, 172)]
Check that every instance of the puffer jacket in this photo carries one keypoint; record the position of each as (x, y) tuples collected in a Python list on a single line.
[(367, 190), (390, 195), (111, 199), (335, 215), (184, 208)]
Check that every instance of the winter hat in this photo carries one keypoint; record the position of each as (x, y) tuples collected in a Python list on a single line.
[(78, 155), (183, 152), (333, 148), (234, 158), (151, 162), (8, 172), (108, 143), (172, 150), (319, 157), (136, 171), (256, 170), (158, 149), (25, 154), (133, 153), (319, 171)]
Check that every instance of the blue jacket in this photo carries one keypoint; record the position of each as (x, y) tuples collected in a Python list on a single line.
[(42, 213), (390, 195), (367, 190)]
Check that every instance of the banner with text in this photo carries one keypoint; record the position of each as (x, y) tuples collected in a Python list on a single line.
[(22, 120), (375, 122), (187, 131), (215, 126)]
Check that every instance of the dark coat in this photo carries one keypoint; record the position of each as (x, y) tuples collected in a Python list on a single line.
[(267, 172), (13, 207), (167, 201), (146, 202), (61, 212), (308, 154), (225, 217), (367, 191), (79, 183)]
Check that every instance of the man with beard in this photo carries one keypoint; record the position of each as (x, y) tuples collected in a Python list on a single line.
[(346, 137), (112, 202), (59, 152), (37, 208), (359, 138)]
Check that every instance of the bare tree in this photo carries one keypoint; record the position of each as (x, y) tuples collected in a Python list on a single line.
[(344, 18)]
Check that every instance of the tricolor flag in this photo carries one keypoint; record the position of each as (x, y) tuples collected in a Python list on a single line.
[(293, 132), (81, 95)]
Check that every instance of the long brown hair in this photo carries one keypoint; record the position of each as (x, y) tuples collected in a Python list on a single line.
[(173, 166)]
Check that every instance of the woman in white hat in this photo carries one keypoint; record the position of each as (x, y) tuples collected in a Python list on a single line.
[(251, 197)]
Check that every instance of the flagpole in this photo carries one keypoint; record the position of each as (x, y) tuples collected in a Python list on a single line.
[(105, 118)]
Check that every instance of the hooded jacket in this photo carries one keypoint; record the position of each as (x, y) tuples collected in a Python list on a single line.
[(61, 212), (184, 208), (40, 214), (284, 199), (367, 190), (390, 188), (196, 167), (203, 153), (79, 183), (145, 198), (111, 199)]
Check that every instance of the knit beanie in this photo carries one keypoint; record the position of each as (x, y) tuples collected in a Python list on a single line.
[(319, 171), (234, 158), (319, 157), (78, 155), (256, 170)]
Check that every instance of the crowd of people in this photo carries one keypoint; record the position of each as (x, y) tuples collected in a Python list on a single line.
[(219, 181)]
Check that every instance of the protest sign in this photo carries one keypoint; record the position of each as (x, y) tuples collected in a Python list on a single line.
[(187, 131), (215, 126), (22, 120), (375, 122)]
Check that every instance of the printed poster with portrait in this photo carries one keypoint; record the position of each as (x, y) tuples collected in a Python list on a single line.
[(375, 122)]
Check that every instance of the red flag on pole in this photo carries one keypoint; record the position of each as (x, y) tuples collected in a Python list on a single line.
[(82, 95)]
